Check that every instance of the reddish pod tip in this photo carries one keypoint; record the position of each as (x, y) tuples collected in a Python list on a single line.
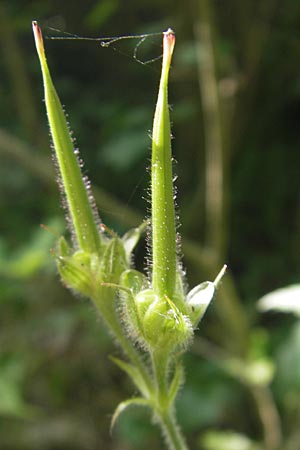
[(169, 43), (38, 37)]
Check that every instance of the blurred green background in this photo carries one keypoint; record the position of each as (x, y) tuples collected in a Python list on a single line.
[(235, 101)]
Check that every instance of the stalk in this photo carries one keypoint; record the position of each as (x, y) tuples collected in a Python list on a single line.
[(82, 218), (172, 432), (160, 368), (163, 210), (165, 412)]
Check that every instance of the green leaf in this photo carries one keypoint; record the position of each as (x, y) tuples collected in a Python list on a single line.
[(30, 257), (12, 402)]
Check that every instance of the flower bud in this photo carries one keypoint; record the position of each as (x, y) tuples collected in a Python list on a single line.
[(163, 324)]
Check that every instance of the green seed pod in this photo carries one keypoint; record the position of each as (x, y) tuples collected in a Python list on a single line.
[(84, 218)]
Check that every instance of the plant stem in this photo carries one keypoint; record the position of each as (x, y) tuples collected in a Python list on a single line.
[(160, 362), (172, 432), (269, 416), (165, 413)]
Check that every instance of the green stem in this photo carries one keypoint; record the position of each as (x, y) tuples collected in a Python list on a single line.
[(171, 431), (164, 409), (80, 209), (163, 212), (160, 362)]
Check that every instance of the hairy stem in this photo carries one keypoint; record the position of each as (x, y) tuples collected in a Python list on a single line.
[(171, 431)]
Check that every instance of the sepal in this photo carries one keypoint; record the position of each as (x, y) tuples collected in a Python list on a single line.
[(199, 298), (113, 261), (136, 401), (76, 274), (131, 238)]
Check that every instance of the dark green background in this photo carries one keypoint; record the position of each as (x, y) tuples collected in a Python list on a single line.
[(58, 388)]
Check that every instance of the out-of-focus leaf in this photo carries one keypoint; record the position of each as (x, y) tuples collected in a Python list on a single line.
[(125, 149), (258, 372), (12, 402), (131, 143), (287, 379), (32, 256), (283, 300), (227, 440), (202, 403), (101, 12)]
